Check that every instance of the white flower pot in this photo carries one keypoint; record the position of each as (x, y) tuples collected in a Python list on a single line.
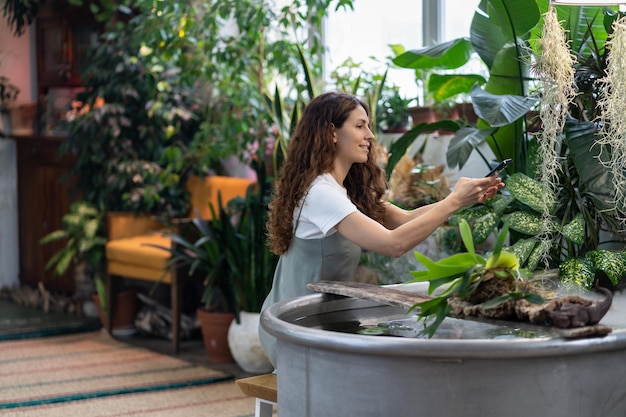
[(245, 345)]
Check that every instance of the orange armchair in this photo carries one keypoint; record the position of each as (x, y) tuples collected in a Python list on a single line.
[(129, 253)]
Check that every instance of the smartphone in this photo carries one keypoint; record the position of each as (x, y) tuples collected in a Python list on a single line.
[(499, 168)]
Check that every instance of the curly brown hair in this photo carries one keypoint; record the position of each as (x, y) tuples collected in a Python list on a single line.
[(311, 153)]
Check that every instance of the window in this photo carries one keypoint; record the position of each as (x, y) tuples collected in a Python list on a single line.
[(366, 33)]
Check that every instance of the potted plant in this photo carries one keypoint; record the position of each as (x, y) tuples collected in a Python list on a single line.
[(198, 247), (393, 115), (252, 265), (84, 236), (8, 96), (439, 86), (228, 253)]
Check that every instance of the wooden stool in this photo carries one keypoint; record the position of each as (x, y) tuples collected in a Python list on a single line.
[(263, 388)]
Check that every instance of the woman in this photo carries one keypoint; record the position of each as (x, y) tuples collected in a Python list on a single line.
[(329, 202)]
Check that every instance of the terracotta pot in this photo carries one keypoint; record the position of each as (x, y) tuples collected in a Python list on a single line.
[(126, 308), (466, 113), (214, 327), (427, 114), (422, 114)]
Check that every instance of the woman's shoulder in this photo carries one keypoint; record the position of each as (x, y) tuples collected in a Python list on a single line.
[(326, 180)]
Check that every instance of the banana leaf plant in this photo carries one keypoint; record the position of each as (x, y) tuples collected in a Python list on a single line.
[(439, 87), (499, 35)]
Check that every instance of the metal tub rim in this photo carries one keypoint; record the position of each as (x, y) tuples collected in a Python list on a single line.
[(274, 321)]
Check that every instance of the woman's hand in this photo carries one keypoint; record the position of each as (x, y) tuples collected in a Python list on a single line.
[(468, 191)]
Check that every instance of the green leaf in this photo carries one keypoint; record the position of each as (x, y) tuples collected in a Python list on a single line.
[(445, 86), (446, 55), (466, 236), (504, 232), (613, 264), (465, 140), (524, 222), (399, 147), (54, 236), (580, 272), (501, 202), (575, 230), (469, 214), (533, 298), (527, 191), (500, 110), (454, 265), (495, 302), (523, 248), (483, 226), (537, 255)]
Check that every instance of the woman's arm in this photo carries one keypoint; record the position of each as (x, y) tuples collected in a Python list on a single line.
[(404, 229)]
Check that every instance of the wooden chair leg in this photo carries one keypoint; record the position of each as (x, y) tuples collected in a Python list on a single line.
[(176, 297), (110, 302)]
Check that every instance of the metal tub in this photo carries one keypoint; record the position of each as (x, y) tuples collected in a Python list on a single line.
[(326, 372)]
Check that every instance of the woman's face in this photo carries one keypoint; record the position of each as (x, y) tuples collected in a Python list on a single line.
[(354, 138)]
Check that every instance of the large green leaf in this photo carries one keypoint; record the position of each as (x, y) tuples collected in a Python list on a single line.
[(537, 255), (498, 33), (445, 86), (526, 190), (524, 222), (500, 110), (446, 55), (578, 271), (498, 22), (583, 24), (613, 264), (465, 140), (596, 179), (515, 18), (468, 214), (500, 203)]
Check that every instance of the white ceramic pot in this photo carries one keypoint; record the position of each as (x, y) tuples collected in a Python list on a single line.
[(245, 345)]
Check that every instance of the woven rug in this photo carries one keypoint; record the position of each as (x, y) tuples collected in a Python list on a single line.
[(91, 374)]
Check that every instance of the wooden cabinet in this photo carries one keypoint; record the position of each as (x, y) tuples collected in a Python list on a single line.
[(43, 199), (63, 40), (63, 36)]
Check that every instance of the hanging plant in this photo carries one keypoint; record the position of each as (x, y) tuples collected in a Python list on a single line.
[(555, 69), (613, 132)]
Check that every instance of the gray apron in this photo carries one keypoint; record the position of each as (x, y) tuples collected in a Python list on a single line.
[(332, 258)]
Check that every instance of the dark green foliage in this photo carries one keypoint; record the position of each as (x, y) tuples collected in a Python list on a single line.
[(229, 252), (130, 149)]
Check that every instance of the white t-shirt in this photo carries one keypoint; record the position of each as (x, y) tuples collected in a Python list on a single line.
[(325, 205)]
